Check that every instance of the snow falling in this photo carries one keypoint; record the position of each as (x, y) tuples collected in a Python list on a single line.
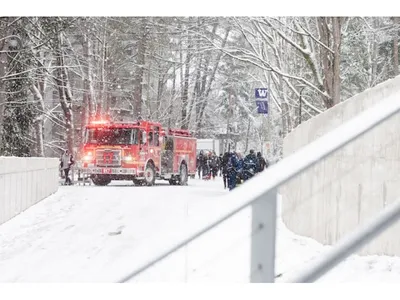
[(197, 74)]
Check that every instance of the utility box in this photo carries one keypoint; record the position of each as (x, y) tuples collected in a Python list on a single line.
[(210, 144)]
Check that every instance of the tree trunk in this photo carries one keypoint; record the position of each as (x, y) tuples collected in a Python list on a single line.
[(160, 90), (103, 77), (88, 91), (173, 93), (147, 103), (247, 136), (285, 119), (39, 121), (181, 69), (331, 62), (140, 62), (326, 64), (64, 93), (202, 83), (197, 84), (185, 92), (374, 57), (210, 82), (38, 91), (337, 38)]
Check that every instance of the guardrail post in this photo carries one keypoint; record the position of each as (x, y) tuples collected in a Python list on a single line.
[(264, 213)]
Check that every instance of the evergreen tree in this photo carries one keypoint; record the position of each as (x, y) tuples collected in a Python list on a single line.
[(19, 110)]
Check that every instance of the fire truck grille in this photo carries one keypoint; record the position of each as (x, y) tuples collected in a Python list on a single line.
[(108, 158)]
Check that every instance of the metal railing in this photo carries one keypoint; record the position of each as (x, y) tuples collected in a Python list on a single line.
[(261, 193)]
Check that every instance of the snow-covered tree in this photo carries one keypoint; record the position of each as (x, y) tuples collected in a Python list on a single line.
[(190, 72)]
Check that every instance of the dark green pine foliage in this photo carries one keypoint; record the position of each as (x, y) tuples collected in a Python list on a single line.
[(19, 109)]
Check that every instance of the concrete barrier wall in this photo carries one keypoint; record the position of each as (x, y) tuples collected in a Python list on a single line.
[(24, 182), (352, 185)]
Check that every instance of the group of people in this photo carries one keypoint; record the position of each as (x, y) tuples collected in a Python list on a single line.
[(208, 164), (232, 166)]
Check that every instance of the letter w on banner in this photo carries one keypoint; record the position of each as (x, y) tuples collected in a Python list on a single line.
[(261, 93)]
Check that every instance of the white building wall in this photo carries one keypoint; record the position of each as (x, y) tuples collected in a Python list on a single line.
[(351, 186), (24, 182)]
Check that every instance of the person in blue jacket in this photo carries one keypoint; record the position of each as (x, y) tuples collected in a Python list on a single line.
[(239, 168), (231, 168), (250, 165)]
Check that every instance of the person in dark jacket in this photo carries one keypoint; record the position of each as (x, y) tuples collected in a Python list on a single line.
[(262, 163), (199, 162), (251, 155), (214, 164), (206, 175), (224, 168), (66, 161), (202, 164)]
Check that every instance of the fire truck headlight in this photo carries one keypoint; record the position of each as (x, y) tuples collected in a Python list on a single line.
[(88, 157), (128, 158)]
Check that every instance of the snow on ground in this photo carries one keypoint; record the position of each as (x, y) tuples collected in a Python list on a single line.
[(100, 234)]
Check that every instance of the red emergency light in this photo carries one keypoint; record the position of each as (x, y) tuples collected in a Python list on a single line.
[(99, 122)]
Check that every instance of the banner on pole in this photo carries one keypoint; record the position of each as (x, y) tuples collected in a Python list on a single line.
[(262, 107)]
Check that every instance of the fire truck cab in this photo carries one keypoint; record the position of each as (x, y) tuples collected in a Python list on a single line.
[(140, 151)]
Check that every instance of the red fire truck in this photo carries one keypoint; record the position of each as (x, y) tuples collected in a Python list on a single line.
[(141, 151)]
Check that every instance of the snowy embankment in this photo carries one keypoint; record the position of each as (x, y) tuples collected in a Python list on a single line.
[(84, 234)]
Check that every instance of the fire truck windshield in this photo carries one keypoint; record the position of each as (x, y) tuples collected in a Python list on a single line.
[(111, 136)]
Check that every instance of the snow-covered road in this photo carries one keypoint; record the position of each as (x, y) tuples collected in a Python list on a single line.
[(88, 233)]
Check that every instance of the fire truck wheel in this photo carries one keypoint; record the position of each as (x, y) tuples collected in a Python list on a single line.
[(137, 182), (183, 175), (150, 175), (100, 181)]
